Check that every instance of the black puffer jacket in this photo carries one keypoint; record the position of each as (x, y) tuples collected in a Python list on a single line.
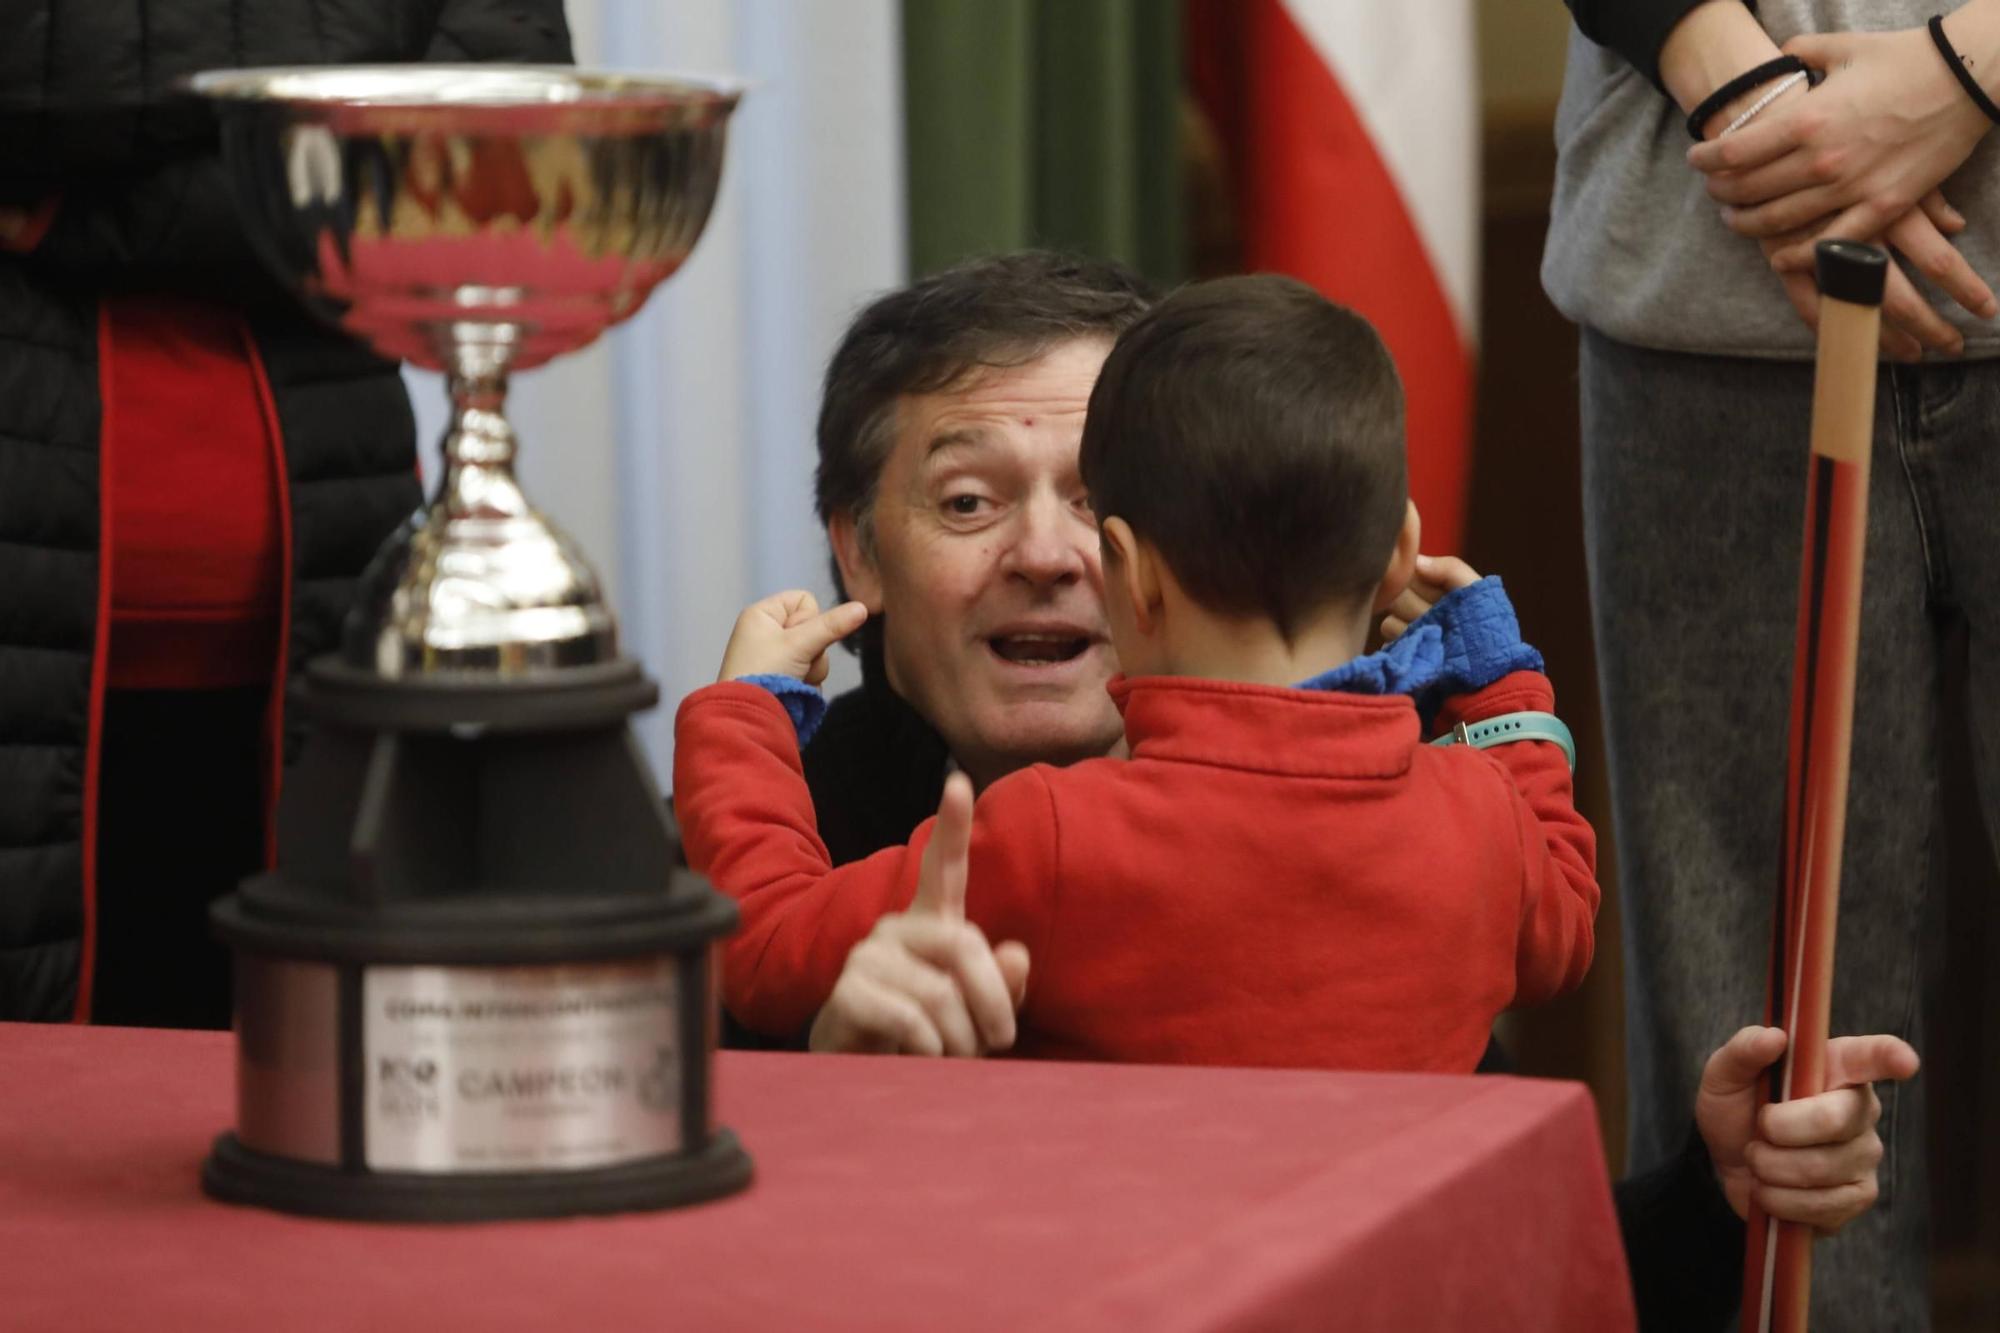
[(88, 117)]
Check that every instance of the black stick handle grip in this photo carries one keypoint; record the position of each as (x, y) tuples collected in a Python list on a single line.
[(1851, 271)]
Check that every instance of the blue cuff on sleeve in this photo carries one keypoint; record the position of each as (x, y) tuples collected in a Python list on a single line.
[(803, 703), (1482, 638), (1466, 642)]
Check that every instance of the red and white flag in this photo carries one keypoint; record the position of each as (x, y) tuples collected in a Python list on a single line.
[(1352, 127)]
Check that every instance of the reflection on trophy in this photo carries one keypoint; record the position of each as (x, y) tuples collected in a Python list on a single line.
[(476, 985)]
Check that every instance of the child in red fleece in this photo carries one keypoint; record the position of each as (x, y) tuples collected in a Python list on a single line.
[(1281, 873)]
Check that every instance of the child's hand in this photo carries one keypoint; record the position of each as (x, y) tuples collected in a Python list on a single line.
[(1436, 575), (926, 981), (788, 635)]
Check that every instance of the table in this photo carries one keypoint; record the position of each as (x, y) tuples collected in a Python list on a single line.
[(891, 1193)]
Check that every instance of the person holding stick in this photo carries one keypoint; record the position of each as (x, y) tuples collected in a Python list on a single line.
[(1685, 264)]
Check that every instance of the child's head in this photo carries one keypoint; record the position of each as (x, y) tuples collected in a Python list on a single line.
[(1247, 434)]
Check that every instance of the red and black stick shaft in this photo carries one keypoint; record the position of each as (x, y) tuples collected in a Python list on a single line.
[(1777, 1280)]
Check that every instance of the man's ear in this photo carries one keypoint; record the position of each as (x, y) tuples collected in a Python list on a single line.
[(857, 565), (1136, 566), (1402, 566)]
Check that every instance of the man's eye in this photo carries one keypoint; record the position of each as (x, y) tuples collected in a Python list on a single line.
[(965, 506)]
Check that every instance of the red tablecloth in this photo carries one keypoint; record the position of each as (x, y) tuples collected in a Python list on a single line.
[(889, 1194)]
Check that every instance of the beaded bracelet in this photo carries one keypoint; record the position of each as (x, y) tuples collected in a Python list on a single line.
[(1778, 89), (1741, 84)]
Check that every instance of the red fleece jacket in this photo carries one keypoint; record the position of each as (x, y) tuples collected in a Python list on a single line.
[(1275, 877)]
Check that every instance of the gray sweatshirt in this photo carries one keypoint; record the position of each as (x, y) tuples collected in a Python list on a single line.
[(1637, 249)]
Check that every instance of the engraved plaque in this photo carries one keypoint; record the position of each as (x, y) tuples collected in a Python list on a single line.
[(473, 1069)]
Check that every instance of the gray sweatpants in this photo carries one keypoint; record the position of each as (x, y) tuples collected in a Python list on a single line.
[(1694, 485)]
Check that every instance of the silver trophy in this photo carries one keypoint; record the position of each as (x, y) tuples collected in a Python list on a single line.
[(478, 984)]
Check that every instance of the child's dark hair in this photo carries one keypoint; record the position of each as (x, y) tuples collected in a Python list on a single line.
[(1252, 431)]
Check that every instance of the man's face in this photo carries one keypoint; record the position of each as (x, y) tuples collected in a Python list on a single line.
[(985, 567)]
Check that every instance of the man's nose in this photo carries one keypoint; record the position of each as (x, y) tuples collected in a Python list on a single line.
[(1053, 543)]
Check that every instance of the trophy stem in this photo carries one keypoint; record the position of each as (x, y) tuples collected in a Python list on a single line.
[(479, 582), (479, 447)]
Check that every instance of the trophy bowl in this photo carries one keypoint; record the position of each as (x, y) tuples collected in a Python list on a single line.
[(478, 983), (474, 220)]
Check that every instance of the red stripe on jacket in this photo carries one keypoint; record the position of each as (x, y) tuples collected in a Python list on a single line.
[(93, 753), (194, 533)]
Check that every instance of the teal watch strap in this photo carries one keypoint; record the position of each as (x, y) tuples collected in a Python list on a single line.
[(1510, 727)]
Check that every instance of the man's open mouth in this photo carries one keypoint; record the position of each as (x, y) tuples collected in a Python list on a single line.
[(1039, 649)]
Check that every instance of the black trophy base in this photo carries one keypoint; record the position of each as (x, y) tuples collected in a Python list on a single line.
[(236, 1174), (443, 841)]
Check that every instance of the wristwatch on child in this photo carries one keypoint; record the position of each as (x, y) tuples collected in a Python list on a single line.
[(1510, 727)]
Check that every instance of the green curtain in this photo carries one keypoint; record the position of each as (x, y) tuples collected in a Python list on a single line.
[(1044, 122)]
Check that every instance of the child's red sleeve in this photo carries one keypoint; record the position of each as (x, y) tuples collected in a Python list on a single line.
[(747, 822), (1559, 890)]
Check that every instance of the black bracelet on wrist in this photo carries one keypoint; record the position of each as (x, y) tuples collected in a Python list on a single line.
[(1956, 64), (1771, 69)]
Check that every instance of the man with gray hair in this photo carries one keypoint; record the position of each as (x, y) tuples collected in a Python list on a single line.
[(949, 488)]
